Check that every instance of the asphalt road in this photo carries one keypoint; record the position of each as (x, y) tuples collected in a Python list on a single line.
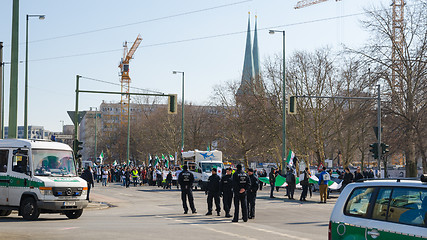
[(148, 212)]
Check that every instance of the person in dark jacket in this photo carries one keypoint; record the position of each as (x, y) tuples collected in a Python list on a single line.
[(186, 179), (291, 181), (252, 193), (88, 176), (357, 174), (305, 184), (272, 178), (213, 192), (226, 188), (169, 180), (241, 184), (347, 179)]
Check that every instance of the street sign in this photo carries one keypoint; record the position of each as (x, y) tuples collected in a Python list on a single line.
[(64, 136), (79, 117)]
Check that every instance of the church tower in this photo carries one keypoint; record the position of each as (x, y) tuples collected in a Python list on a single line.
[(248, 69), (251, 80)]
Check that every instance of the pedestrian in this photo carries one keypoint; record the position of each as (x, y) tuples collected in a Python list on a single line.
[(357, 175), (272, 178), (213, 192), (305, 184), (134, 176), (347, 179), (323, 185), (291, 181), (241, 184), (88, 177), (104, 176), (262, 174), (186, 179), (371, 173), (127, 176), (159, 177), (252, 193), (226, 187), (169, 180), (98, 173)]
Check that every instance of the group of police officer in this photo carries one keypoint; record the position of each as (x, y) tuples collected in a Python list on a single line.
[(241, 186)]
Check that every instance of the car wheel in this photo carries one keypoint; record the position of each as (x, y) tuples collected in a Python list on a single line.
[(29, 210), (73, 214), (4, 213)]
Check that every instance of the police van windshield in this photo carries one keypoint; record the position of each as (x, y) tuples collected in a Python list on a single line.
[(48, 162), (207, 167)]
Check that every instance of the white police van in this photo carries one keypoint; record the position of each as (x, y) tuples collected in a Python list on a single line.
[(381, 209), (39, 177)]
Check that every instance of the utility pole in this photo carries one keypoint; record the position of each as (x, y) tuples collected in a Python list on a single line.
[(1, 91), (379, 128), (13, 99)]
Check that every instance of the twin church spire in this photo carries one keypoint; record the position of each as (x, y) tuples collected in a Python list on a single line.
[(251, 80)]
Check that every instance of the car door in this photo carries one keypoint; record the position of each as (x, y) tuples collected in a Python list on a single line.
[(4, 178), (20, 175), (397, 214)]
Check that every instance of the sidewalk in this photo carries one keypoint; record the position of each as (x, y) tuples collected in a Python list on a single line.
[(99, 202)]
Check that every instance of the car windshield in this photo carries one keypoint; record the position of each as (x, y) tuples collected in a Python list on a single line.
[(48, 162), (207, 167)]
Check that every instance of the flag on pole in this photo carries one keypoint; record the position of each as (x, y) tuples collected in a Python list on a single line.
[(114, 163), (101, 157), (156, 161), (290, 159), (171, 158)]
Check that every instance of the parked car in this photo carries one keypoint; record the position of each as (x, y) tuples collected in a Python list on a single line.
[(381, 209)]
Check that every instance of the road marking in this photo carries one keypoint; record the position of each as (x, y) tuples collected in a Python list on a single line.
[(68, 228), (223, 232), (274, 232), (209, 228)]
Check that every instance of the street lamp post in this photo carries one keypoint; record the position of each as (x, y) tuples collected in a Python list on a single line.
[(41, 17), (284, 102), (182, 112)]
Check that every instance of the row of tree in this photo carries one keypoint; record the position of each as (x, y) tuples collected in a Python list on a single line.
[(248, 127)]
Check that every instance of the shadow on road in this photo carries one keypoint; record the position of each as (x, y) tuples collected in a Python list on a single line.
[(20, 219)]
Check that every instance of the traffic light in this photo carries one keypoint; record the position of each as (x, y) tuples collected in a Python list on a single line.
[(292, 108), (374, 150), (384, 148), (172, 104), (77, 146)]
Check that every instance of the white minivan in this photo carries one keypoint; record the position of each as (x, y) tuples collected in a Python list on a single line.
[(39, 177)]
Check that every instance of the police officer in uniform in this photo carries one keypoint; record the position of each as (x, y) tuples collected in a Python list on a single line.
[(186, 179), (213, 192), (252, 193), (226, 187), (241, 184)]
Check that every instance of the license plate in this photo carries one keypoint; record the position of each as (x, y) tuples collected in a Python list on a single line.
[(69, 203)]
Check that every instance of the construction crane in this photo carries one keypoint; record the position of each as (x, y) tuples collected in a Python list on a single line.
[(125, 79), (306, 3), (398, 38)]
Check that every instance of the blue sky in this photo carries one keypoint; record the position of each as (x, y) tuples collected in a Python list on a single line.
[(63, 45)]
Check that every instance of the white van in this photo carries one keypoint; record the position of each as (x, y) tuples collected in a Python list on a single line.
[(39, 177)]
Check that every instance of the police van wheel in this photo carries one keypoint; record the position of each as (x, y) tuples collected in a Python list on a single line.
[(74, 214), (4, 213), (29, 210)]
